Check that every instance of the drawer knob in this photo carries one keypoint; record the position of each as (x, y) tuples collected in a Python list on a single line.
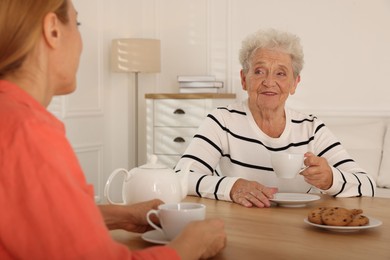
[(179, 140), (179, 111)]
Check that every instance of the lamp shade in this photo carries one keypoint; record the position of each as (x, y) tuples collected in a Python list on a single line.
[(135, 55)]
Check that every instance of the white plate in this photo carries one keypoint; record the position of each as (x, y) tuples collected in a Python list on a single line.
[(371, 224), (155, 236), (294, 199)]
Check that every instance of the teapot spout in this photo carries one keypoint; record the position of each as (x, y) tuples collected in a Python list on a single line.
[(184, 175)]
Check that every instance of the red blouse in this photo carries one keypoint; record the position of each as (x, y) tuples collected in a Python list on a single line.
[(47, 208)]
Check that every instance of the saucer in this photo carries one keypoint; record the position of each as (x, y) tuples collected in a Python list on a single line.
[(155, 236), (294, 199), (373, 222)]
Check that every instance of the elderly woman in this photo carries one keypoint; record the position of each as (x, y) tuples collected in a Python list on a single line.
[(47, 208), (231, 150)]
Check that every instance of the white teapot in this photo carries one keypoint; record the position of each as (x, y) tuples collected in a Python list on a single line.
[(150, 181)]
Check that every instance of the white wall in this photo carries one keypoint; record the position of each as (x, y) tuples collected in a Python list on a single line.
[(347, 58), (345, 44)]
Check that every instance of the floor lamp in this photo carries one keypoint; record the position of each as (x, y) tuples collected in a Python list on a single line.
[(135, 56)]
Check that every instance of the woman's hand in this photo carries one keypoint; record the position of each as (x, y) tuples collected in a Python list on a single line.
[(318, 172), (251, 193), (129, 217), (200, 239)]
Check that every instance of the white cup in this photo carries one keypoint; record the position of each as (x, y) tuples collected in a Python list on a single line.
[(175, 216), (287, 165)]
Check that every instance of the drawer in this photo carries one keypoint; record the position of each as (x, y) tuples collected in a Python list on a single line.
[(182, 113), (172, 140)]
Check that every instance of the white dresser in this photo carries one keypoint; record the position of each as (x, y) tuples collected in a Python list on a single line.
[(172, 120)]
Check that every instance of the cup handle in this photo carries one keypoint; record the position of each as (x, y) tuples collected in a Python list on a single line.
[(155, 212), (303, 168)]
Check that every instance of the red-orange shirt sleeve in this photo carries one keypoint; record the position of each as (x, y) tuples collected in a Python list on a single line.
[(47, 208)]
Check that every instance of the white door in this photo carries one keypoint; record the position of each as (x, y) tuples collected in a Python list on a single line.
[(92, 124)]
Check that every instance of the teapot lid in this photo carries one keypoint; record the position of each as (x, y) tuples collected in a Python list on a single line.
[(152, 164)]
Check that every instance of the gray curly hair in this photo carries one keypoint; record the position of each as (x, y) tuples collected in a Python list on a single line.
[(272, 39)]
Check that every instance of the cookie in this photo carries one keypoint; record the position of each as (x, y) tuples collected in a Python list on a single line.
[(356, 211), (336, 216), (315, 215), (359, 220)]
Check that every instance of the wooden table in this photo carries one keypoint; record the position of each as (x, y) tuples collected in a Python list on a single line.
[(280, 233)]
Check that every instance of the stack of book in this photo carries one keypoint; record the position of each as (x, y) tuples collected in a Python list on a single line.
[(199, 84)]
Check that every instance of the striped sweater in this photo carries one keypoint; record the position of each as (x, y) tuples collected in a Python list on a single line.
[(229, 145)]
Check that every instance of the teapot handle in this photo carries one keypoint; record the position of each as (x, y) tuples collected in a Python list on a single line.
[(108, 185)]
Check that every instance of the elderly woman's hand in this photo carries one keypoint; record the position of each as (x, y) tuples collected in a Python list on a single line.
[(251, 193), (318, 172)]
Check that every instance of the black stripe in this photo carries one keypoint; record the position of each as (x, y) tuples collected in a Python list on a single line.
[(198, 184), (301, 121), (289, 145), (257, 141), (318, 128), (233, 134), (342, 162), (198, 160), (359, 186), (233, 111), (178, 171), (209, 141), (342, 188), (372, 185), (216, 188), (328, 148), (250, 165), (227, 156)]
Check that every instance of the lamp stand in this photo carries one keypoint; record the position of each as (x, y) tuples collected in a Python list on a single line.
[(135, 55), (135, 144)]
